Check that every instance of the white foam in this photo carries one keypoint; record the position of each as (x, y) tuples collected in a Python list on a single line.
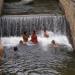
[(60, 39)]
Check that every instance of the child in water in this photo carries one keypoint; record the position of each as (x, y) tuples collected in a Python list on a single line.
[(13, 54), (16, 55), (34, 39), (25, 37), (15, 49), (21, 42), (54, 44), (45, 33)]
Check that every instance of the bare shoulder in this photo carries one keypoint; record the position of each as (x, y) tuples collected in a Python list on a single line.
[(54, 45)]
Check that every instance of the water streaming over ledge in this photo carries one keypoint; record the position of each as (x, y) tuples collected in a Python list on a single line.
[(14, 25), (39, 59)]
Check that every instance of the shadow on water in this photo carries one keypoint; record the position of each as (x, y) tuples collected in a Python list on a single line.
[(69, 65)]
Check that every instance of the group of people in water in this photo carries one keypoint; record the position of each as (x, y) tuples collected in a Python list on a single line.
[(25, 37), (34, 38)]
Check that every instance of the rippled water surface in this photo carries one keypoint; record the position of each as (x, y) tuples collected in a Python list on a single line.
[(39, 59)]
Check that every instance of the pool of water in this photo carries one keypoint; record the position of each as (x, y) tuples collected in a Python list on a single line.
[(39, 59)]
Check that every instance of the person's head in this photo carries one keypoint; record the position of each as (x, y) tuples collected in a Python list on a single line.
[(53, 42), (21, 42), (24, 32), (15, 48), (34, 32)]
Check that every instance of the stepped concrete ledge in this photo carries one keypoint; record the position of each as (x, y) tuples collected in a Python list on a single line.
[(20, 2)]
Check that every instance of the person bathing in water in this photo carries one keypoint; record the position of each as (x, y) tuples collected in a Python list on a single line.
[(46, 33), (54, 44), (21, 42), (34, 39), (25, 37)]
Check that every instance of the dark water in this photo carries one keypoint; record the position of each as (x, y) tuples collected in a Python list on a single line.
[(39, 59), (37, 7), (34, 60)]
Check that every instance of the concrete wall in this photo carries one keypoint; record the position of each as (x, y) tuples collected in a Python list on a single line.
[(1, 5), (69, 8)]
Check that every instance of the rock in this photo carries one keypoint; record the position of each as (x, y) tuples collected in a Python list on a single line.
[(27, 1)]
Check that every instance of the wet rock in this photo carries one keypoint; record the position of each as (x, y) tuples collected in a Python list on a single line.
[(27, 1), (20, 73), (12, 73)]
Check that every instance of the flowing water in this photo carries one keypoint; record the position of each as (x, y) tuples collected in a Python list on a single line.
[(14, 25), (39, 59)]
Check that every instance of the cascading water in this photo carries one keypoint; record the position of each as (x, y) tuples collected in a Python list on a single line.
[(15, 25), (39, 59)]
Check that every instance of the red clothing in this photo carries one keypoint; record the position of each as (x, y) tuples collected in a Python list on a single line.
[(34, 38)]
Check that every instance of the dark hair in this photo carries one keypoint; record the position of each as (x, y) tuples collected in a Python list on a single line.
[(21, 41), (25, 32), (53, 42), (15, 48), (34, 31)]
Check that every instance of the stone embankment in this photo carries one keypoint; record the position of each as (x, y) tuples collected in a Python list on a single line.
[(69, 8)]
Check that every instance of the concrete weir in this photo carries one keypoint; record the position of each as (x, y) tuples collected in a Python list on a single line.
[(1, 5), (69, 8)]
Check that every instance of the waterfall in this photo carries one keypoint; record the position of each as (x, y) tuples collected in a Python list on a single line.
[(14, 25), (34, 59)]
